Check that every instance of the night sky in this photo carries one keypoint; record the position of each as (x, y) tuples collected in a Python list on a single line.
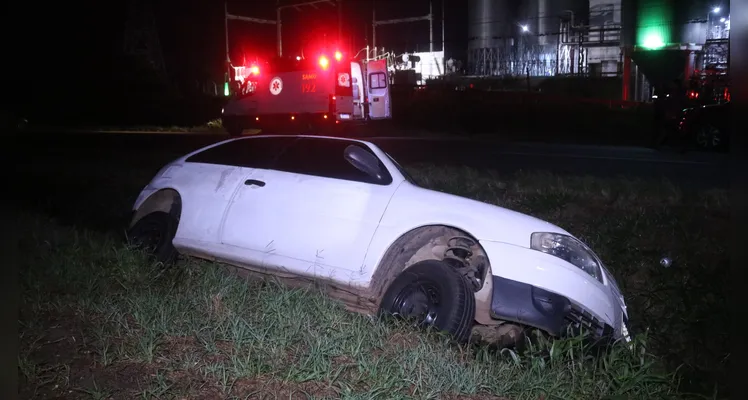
[(75, 45)]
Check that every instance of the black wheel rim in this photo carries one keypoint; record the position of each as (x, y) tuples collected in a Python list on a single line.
[(149, 237), (708, 137), (420, 302)]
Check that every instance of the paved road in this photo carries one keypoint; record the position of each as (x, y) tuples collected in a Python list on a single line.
[(700, 169)]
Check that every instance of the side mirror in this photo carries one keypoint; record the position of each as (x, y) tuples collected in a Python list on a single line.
[(364, 161)]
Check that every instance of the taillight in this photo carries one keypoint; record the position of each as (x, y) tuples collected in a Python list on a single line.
[(324, 62)]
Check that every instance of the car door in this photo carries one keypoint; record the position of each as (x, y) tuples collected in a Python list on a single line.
[(207, 182), (316, 215), (378, 90)]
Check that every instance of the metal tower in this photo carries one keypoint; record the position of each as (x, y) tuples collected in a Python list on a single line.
[(141, 36)]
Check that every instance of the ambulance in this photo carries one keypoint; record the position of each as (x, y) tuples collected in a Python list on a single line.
[(317, 94)]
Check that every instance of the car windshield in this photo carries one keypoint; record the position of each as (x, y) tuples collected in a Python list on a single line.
[(402, 170)]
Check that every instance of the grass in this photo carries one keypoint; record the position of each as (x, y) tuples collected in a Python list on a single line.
[(213, 126), (98, 321)]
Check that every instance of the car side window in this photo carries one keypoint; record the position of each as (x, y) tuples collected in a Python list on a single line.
[(249, 153), (326, 158)]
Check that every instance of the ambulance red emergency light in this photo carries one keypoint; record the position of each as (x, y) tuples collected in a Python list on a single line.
[(307, 92)]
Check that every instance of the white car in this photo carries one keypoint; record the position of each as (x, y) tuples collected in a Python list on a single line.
[(344, 213)]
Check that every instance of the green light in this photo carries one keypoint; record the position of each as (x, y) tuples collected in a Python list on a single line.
[(654, 23), (653, 42), (226, 89)]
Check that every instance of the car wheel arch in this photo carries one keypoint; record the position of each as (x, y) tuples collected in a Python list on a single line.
[(418, 244), (166, 200)]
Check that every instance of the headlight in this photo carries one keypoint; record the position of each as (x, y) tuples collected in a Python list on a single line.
[(568, 249)]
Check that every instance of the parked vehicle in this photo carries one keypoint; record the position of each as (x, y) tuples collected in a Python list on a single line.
[(308, 94), (342, 212), (707, 126)]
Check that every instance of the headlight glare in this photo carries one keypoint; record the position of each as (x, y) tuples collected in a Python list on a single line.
[(568, 249)]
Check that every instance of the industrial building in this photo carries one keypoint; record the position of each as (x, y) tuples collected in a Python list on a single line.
[(643, 42)]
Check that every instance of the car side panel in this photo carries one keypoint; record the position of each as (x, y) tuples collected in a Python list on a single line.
[(412, 207), (206, 192), (311, 226)]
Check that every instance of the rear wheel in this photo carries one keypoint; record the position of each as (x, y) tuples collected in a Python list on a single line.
[(154, 234), (432, 294)]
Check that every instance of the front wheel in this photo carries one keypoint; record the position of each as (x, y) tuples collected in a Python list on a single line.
[(709, 137), (432, 293), (154, 234)]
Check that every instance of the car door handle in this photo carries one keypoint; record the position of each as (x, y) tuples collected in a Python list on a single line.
[(254, 182)]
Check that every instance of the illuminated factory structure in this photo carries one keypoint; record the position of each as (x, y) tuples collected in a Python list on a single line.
[(640, 41)]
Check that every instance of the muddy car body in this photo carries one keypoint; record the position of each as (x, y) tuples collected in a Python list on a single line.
[(343, 212)]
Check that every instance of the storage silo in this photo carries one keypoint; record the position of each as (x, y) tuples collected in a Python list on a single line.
[(491, 28), (498, 44)]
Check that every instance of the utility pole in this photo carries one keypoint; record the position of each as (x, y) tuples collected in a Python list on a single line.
[(444, 46), (373, 29), (279, 31), (278, 23), (374, 23), (141, 39), (297, 6), (340, 24), (226, 18), (431, 26)]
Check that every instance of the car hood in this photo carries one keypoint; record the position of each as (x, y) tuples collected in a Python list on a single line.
[(417, 206)]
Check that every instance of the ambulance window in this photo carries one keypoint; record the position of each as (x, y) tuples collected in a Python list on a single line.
[(248, 153), (377, 80), (325, 158)]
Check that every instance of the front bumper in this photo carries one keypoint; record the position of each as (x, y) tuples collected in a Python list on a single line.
[(545, 292), (532, 306)]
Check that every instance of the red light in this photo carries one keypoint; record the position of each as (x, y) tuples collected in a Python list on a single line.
[(333, 98), (293, 118), (325, 116), (257, 118), (338, 55), (255, 70), (324, 62)]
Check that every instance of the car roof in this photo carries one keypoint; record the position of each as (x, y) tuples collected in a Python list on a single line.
[(216, 144), (298, 137)]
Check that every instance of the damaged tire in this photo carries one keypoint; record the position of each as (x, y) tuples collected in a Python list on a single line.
[(433, 294), (154, 234)]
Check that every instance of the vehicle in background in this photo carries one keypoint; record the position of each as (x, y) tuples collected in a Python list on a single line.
[(307, 94), (706, 126)]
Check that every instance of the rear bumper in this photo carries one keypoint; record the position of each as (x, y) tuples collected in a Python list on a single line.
[(281, 117), (281, 122)]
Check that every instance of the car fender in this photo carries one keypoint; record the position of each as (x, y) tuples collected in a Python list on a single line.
[(412, 207)]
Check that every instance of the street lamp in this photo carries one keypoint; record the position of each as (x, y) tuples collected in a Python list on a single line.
[(525, 28), (716, 10), (723, 19)]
